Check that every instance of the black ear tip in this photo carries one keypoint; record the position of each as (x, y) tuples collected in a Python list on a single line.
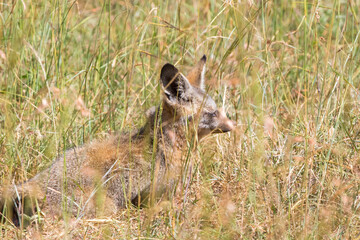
[(203, 58), (168, 66), (168, 69)]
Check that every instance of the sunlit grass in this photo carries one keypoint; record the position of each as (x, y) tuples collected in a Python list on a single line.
[(286, 71)]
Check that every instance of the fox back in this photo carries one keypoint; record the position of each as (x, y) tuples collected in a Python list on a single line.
[(137, 167)]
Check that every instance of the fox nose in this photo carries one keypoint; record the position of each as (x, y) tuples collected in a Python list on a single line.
[(232, 124), (228, 125)]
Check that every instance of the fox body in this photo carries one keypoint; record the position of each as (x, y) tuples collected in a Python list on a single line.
[(137, 167)]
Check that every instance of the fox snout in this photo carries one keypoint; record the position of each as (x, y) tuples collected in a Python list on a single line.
[(224, 123), (215, 122)]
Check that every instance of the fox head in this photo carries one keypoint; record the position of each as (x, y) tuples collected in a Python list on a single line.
[(186, 95)]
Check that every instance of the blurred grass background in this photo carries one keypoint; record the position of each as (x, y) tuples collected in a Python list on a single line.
[(286, 71)]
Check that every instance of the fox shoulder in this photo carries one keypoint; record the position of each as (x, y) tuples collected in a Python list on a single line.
[(101, 153)]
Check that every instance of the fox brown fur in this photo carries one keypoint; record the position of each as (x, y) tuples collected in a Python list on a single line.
[(105, 176)]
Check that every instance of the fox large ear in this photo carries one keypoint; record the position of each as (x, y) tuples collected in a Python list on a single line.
[(196, 76), (175, 84)]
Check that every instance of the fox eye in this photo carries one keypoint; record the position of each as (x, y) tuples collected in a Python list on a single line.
[(187, 100), (214, 114)]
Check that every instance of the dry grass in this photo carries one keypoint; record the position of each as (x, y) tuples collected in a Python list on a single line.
[(286, 71)]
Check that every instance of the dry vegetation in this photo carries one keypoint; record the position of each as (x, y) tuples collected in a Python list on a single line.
[(286, 71)]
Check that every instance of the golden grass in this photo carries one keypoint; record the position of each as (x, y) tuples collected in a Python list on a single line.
[(286, 71)]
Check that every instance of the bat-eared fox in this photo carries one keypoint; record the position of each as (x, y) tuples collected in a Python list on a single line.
[(129, 168)]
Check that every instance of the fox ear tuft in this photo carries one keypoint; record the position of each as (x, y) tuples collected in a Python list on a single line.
[(174, 83), (197, 74)]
